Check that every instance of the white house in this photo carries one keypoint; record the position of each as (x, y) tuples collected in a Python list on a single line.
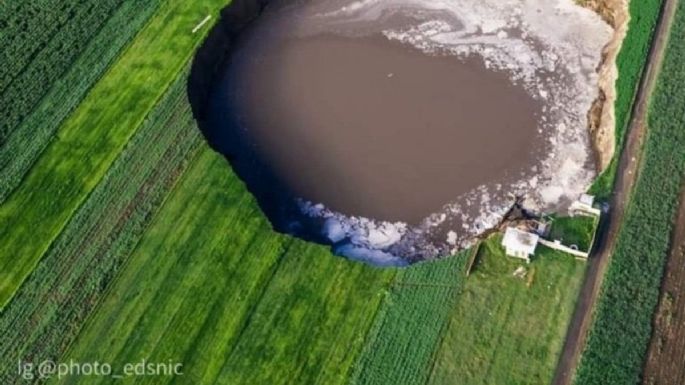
[(519, 244)]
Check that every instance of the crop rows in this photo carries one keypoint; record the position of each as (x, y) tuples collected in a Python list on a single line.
[(28, 139), (234, 301), (92, 137), (27, 27), (311, 323), (619, 337), (49, 309), (173, 271), (630, 62), (401, 346), (36, 55)]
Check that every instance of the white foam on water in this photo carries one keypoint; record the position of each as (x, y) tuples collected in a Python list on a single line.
[(551, 47)]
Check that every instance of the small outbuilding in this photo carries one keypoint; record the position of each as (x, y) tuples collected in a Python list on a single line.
[(519, 244)]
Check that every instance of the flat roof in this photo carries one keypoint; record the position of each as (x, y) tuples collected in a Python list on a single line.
[(518, 240)]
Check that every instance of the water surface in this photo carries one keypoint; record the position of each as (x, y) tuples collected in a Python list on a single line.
[(376, 128)]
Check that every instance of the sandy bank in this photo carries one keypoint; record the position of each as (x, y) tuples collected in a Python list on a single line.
[(602, 119)]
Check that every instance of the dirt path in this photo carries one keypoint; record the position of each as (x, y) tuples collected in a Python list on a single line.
[(626, 176), (666, 355)]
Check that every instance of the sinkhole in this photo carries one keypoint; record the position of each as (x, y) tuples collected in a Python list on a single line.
[(398, 130)]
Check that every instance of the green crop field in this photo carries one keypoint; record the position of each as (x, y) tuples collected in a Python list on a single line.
[(292, 309), (89, 140), (124, 237), (237, 304), (619, 337), (30, 136), (410, 323), (40, 40), (52, 304)]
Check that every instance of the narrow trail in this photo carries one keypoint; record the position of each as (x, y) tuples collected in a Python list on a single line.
[(628, 167)]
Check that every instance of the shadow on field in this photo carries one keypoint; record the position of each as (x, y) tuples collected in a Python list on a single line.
[(214, 114)]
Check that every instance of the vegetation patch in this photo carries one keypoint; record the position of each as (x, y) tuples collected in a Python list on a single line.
[(51, 306), (37, 50), (401, 346), (662, 366), (618, 340), (211, 286), (630, 62), (92, 137), (57, 98), (509, 322), (578, 231)]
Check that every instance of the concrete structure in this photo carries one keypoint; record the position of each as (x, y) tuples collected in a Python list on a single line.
[(519, 244), (583, 206), (541, 228), (556, 245), (586, 199)]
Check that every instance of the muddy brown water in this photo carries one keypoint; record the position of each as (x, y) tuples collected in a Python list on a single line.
[(375, 128)]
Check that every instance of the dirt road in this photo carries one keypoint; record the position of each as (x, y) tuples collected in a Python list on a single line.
[(627, 174)]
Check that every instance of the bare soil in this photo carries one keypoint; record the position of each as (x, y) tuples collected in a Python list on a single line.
[(602, 119), (666, 358)]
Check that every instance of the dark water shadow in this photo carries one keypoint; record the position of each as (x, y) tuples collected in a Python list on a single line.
[(223, 133)]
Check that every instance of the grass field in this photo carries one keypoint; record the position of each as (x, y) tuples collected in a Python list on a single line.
[(49, 309), (579, 231), (31, 134), (237, 304), (507, 329), (92, 136)]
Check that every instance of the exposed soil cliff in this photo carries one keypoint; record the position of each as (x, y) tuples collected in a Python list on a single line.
[(602, 121)]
